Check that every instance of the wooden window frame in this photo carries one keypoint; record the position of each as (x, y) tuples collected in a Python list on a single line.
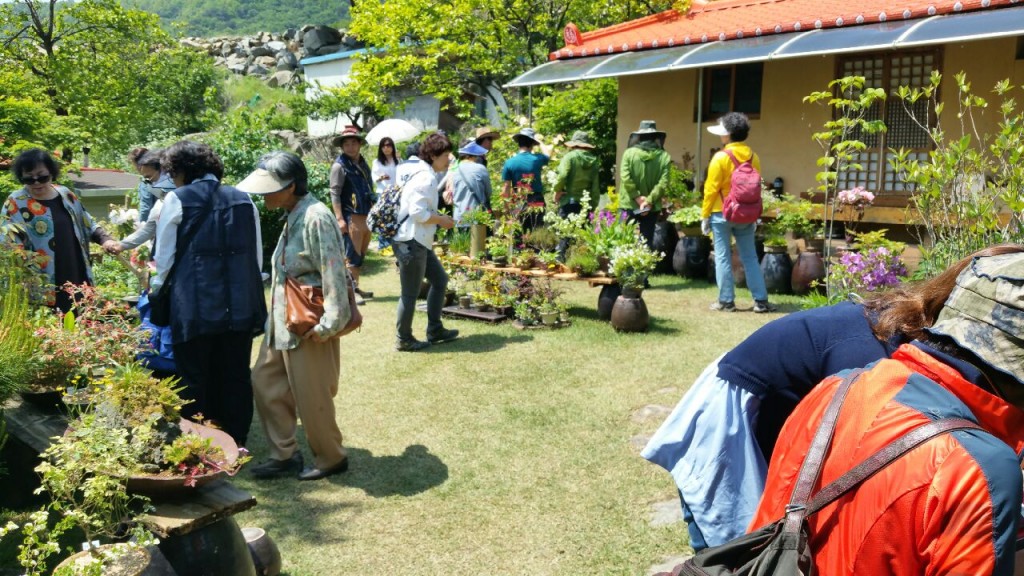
[(883, 197), (705, 113)]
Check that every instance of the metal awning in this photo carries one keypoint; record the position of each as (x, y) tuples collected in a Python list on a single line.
[(870, 37)]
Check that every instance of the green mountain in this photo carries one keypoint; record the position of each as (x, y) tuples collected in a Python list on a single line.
[(207, 18)]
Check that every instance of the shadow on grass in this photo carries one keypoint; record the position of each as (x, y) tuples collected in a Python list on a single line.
[(478, 343), (413, 471), (679, 284)]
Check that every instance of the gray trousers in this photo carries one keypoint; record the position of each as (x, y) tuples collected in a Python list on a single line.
[(416, 262)]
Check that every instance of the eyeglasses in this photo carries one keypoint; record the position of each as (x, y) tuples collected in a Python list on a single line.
[(30, 180)]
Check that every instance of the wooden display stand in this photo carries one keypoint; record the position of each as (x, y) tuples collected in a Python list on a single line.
[(197, 533)]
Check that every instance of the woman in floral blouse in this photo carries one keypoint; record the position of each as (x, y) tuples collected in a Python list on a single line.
[(297, 374), (51, 221)]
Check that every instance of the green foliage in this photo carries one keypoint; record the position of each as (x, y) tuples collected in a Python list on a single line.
[(969, 193), (17, 344), (214, 17), (109, 76), (582, 260), (444, 49), (850, 102), (590, 106), (358, 100), (791, 215), (286, 108)]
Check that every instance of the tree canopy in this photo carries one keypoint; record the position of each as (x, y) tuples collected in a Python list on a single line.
[(214, 17), (92, 73), (445, 48)]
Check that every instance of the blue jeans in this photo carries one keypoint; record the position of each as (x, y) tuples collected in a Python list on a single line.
[(744, 234)]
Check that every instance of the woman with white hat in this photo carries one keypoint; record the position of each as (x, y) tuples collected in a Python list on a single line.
[(296, 375)]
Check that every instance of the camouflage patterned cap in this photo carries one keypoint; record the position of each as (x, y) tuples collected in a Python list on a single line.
[(985, 312)]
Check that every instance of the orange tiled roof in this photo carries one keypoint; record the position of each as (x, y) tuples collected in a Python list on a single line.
[(731, 19)]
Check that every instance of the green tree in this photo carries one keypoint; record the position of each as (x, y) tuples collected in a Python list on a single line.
[(591, 106), (446, 48), (104, 69)]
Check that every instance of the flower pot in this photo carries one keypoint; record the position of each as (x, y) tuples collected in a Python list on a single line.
[(606, 300), (477, 239), (166, 484), (131, 561), (777, 268), (664, 241), (690, 258), (809, 267), (549, 318), (501, 261), (465, 301), (629, 314), (217, 548), (265, 554)]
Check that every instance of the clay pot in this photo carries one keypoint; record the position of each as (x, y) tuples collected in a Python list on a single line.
[(217, 548), (606, 300), (809, 267), (265, 555), (629, 314), (665, 240), (777, 268), (690, 258), (477, 239), (465, 301), (549, 318)]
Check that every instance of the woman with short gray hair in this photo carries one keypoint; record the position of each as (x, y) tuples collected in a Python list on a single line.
[(296, 375)]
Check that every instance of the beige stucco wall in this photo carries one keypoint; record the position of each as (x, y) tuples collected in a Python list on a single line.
[(782, 134)]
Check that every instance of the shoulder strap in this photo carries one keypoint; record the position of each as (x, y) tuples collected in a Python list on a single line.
[(887, 455), (735, 163), (810, 470)]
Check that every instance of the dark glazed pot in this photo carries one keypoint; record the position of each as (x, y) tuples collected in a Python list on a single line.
[(778, 270), (629, 314), (665, 239), (691, 256), (217, 548), (265, 554), (606, 300), (809, 267)]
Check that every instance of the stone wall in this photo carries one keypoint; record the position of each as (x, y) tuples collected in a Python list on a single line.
[(274, 57)]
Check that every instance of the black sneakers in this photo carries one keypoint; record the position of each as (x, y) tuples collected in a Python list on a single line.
[(763, 307), (724, 306), (412, 345), (445, 335), (271, 468)]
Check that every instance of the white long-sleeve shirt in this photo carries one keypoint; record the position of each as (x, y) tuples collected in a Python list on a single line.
[(167, 237), (419, 203)]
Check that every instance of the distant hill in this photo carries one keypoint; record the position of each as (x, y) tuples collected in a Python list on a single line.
[(207, 18)]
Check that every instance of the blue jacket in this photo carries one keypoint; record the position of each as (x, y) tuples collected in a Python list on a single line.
[(217, 286)]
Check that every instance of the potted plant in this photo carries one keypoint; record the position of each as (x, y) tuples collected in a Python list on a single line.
[(582, 260), (548, 313), (73, 346), (479, 220), (525, 313), (497, 249), (690, 258), (522, 259), (631, 265)]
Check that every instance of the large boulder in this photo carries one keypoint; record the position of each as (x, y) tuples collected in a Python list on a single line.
[(289, 138), (237, 67), (267, 62), (281, 79), (276, 46), (286, 60), (290, 34), (329, 49), (318, 37), (256, 70), (261, 50)]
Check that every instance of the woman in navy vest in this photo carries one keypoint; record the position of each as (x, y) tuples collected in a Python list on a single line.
[(352, 196), (209, 258)]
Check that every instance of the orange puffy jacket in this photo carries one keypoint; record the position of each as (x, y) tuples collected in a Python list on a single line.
[(949, 506)]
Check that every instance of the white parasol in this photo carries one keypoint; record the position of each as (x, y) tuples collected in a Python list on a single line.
[(395, 128)]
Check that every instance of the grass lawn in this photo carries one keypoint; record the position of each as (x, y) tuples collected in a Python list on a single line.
[(504, 452)]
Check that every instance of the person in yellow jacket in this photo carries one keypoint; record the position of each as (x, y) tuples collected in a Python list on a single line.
[(733, 129)]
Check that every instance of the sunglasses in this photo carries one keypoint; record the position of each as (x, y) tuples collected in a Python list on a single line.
[(30, 180)]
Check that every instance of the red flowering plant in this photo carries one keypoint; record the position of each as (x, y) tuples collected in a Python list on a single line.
[(75, 346)]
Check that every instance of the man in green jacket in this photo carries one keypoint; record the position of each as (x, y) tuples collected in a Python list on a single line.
[(577, 175), (643, 177)]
